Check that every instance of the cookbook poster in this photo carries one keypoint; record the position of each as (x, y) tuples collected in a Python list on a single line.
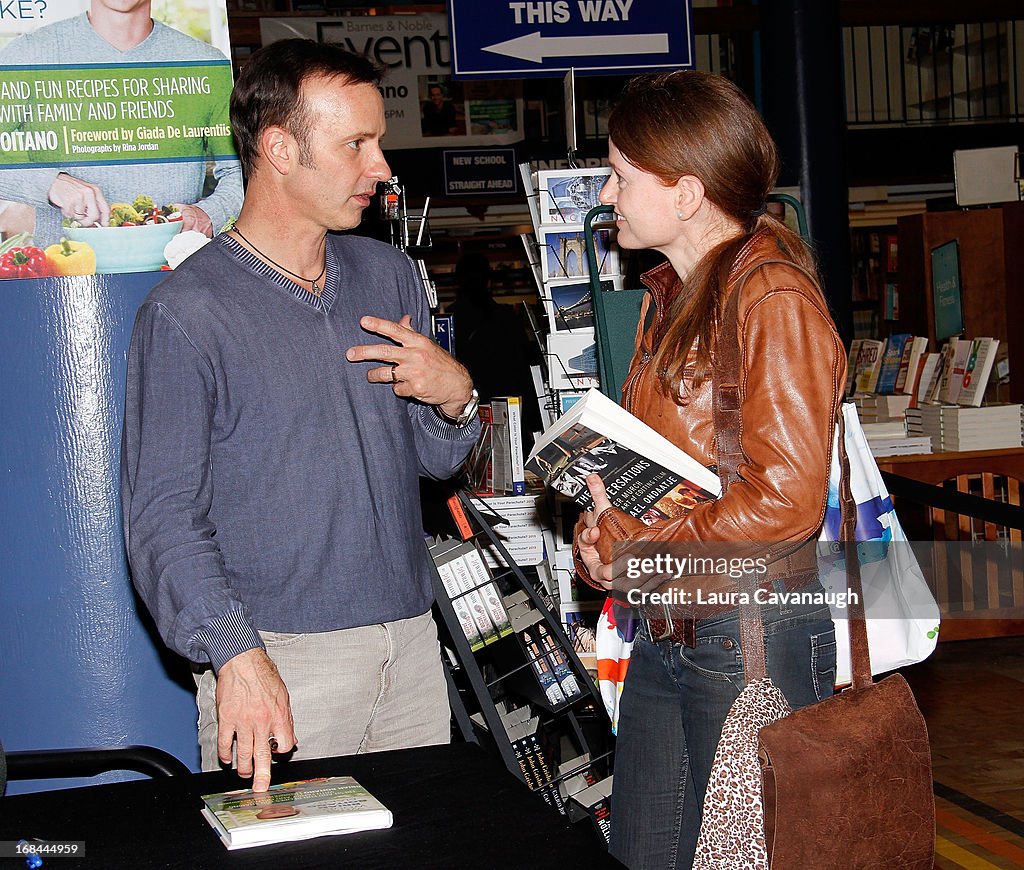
[(143, 121), (423, 106)]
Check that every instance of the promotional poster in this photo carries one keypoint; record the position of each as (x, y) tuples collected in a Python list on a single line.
[(114, 134)]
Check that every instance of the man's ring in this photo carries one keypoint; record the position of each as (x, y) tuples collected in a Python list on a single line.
[(394, 374)]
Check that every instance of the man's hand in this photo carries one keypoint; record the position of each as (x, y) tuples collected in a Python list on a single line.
[(194, 218), (587, 539), (79, 200), (253, 708), (417, 366)]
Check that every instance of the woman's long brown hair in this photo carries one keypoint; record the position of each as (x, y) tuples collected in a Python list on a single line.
[(693, 123)]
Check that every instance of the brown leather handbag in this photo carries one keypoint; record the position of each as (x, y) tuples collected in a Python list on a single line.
[(846, 783)]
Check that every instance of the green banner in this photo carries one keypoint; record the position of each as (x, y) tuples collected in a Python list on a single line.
[(57, 116)]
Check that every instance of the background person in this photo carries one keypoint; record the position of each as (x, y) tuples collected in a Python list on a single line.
[(437, 114), (692, 164), (272, 448), (119, 32)]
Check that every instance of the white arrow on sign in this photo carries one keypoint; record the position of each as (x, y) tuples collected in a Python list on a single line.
[(534, 47)]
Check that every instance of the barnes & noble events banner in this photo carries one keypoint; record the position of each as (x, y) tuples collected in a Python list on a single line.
[(423, 106)]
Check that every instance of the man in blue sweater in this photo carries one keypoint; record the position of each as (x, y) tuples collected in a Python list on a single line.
[(273, 442)]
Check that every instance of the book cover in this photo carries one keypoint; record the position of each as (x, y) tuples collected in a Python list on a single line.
[(869, 361), (559, 662), (481, 578), (294, 811), (474, 597), (926, 373), (646, 475), (961, 351), (459, 603), (942, 369), (977, 371), (912, 352), (890, 367), (542, 669)]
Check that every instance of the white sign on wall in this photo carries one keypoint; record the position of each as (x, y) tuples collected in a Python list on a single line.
[(423, 105)]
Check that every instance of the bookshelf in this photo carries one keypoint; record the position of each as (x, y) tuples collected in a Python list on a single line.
[(991, 276)]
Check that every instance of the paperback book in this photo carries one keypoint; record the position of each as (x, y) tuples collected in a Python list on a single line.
[(646, 475), (294, 811)]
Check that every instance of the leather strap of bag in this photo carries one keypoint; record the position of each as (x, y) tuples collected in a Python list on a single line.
[(727, 408)]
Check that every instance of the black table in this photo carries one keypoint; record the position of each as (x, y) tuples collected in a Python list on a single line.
[(454, 806)]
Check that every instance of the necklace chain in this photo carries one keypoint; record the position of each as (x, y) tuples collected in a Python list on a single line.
[(317, 289)]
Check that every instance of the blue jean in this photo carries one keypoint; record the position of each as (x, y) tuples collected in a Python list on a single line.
[(673, 705)]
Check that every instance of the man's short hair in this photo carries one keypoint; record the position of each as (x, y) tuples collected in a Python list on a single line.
[(268, 92)]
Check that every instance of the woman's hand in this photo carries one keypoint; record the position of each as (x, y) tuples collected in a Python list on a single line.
[(588, 537)]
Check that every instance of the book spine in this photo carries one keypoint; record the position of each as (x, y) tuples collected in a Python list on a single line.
[(460, 605), (515, 444), (601, 815), (459, 515), (488, 633), (542, 669), (550, 789), (492, 601), (559, 663)]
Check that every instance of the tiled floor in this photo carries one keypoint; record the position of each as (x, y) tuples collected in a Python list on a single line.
[(972, 696)]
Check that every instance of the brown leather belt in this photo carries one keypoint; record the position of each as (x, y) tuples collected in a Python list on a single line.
[(681, 631)]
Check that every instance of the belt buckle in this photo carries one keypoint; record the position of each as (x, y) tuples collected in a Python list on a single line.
[(667, 634)]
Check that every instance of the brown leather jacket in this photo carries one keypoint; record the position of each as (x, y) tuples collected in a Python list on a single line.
[(794, 372)]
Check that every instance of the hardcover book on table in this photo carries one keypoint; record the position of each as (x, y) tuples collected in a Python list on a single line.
[(646, 475), (294, 811)]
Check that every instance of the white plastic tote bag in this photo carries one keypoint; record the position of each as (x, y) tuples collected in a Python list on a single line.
[(902, 616)]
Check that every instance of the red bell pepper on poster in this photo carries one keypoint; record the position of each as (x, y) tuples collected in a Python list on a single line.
[(25, 262)]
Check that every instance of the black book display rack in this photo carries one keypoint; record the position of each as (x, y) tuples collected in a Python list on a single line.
[(515, 683)]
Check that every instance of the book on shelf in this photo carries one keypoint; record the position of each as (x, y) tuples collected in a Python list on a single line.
[(851, 365), (913, 350), (469, 586), (594, 802), (940, 380), (646, 475), (507, 444), (928, 370), (869, 361), (960, 351), (294, 811), (979, 365), (479, 466), (889, 368), (519, 523)]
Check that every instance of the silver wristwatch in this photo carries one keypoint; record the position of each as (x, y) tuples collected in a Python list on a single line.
[(468, 413)]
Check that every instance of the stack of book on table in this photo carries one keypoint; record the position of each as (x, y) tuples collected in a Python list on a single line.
[(876, 408), (294, 811), (891, 439), (956, 428)]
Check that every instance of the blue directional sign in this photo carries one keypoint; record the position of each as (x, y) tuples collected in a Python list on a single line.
[(520, 38)]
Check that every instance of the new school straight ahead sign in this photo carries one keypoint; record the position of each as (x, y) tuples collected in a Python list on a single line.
[(520, 38)]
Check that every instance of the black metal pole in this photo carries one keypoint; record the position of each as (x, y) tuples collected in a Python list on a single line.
[(804, 106)]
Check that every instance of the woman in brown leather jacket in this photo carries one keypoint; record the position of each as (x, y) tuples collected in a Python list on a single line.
[(692, 164)]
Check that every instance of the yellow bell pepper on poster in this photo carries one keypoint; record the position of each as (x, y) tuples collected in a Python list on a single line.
[(71, 258)]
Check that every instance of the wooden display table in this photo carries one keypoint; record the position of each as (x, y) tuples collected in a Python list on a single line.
[(977, 568)]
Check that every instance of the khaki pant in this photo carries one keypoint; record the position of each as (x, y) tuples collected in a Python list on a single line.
[(363, 689)]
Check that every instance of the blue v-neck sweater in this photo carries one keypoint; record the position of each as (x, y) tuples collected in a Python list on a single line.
[(265, 484)]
